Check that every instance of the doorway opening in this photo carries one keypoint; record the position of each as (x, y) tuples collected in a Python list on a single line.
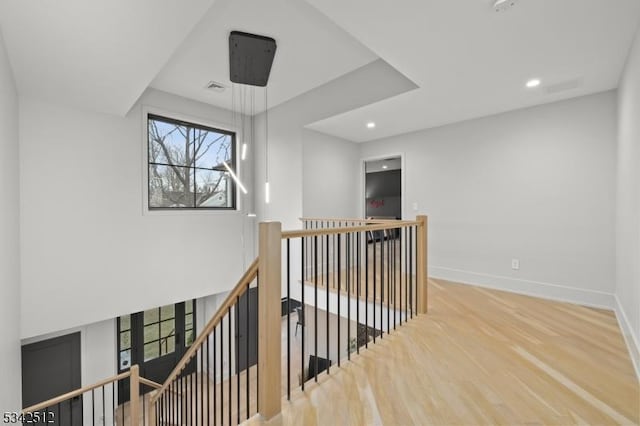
[(383, 188)]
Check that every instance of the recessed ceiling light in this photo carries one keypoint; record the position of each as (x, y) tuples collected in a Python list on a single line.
[(534, 82), (371, 125), (384, 166)]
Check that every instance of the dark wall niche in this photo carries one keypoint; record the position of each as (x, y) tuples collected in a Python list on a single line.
[(383, 194)]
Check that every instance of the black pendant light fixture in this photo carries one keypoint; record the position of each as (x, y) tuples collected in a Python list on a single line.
[(250, 60)]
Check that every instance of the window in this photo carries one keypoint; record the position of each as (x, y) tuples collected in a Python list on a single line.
[(155, 340), (155, 333), (124, 326), (189, 332), (186, 165), (159, 332)]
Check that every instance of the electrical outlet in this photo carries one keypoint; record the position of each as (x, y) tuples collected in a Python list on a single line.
[(515, 264), (415, 207)]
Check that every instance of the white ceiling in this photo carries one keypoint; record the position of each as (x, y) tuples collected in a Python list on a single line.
[(311, 50), (466, 60), (470, 61), (99, 54)]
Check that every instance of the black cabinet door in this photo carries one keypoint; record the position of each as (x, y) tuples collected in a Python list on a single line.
[(247, 329), (51, 368)]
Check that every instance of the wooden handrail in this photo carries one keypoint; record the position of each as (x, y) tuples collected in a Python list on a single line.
[(342, 219), (75, 393), (422, 275), (391, 224), (150, 383), (240, 287)]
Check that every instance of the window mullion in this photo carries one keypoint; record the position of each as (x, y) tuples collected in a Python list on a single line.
[(159, 332), (192, 165)]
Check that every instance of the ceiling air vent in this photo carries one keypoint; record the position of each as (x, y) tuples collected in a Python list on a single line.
[(564, 85), (215, 86)]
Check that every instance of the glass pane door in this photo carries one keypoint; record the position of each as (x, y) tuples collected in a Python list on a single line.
[(155, 340), (159, 332)]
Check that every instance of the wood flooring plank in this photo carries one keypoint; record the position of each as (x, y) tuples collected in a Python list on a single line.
[(482, 356)]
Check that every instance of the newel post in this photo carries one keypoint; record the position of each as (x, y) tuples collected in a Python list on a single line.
[(134, 395), (152, 411), (421, 264), (269, 319)]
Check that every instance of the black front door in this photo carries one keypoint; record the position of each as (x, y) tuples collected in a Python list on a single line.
[(247, 329), (156, 340), (51, 368)]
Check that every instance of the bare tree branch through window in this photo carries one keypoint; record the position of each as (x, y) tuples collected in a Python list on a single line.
[(186, 165)]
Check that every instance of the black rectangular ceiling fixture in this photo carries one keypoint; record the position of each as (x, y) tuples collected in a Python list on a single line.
[(250, 58)]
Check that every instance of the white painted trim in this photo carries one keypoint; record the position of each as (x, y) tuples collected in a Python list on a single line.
[(363, 172), (629, 338), (561, 293)]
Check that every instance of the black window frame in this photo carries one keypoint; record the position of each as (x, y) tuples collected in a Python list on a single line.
[(233, 165), (160, 339), (136, 338)]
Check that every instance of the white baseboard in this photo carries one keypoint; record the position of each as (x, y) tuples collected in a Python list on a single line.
[(629, 338), (592, 298)]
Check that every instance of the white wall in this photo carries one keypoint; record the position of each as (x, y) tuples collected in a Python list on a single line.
[(98, 348), (206, 309), (10, 389), (89, 252), (286, 134), (98, 343), (536, 184), (330, 176), (628, 204)]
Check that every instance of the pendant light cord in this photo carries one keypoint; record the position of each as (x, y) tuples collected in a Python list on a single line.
[(266, 125)]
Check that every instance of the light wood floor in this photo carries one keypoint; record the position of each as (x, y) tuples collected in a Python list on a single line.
[(481, 357)]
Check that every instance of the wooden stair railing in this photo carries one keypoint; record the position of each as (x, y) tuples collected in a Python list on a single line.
[(332, 222), (320, 227), (186, 396), (95, 396), (358, 280), (223, 396), (216, 394), (214, 384)]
